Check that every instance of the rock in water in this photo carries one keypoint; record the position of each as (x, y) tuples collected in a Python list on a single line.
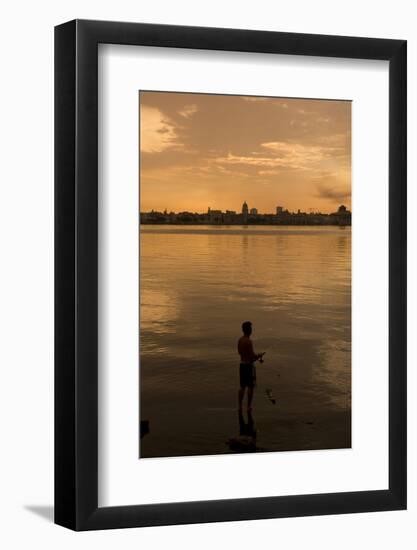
[(268, 392)]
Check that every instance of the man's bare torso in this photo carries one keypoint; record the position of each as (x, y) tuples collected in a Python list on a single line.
[(245, 350)]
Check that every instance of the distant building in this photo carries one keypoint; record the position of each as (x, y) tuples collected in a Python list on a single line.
[(215, 216), (279, 210), (253, 211), (229, 217), (343, 216), (245, 211)]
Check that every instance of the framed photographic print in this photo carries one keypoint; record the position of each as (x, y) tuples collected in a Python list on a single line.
[(230, 275)]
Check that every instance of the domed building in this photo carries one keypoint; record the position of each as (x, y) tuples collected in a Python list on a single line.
[(343, 216)]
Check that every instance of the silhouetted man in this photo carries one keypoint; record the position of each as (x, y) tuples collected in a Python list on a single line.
[(247, 370)]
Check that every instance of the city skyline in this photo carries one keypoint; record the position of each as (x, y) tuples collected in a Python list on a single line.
[(248, 216), (252, 210), (200, 149)]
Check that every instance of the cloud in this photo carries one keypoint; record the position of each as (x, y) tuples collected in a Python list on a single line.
[(268, 172), (298, 151), (307, 152), (188, 110), (260, 161), (281, 154), (157, 132), (334, 194)]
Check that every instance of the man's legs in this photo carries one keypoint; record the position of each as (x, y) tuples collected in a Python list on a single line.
[(250, 396), (241, 395)]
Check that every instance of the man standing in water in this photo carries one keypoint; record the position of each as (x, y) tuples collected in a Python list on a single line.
[(247, 368)]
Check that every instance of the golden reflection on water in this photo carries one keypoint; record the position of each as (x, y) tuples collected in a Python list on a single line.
[(312, 267), (197, 285)]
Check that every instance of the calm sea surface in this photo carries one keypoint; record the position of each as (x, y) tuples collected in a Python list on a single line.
[(197, 285)]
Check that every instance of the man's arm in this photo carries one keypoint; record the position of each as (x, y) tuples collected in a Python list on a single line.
[(255, 356)]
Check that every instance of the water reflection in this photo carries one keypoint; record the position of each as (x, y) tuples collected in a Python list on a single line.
[(197, 286), (246, 441)]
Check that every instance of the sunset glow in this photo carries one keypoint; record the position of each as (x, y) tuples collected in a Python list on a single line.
[(199, 151)]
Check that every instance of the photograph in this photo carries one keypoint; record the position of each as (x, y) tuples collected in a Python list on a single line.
[(245, 274)]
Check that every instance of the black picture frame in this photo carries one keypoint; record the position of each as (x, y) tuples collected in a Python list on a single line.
[(76, 272)]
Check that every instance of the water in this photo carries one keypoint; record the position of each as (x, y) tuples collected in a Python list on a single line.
[(197, 285)]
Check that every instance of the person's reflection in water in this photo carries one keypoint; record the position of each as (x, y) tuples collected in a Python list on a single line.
[(247, 428), (246, 441)]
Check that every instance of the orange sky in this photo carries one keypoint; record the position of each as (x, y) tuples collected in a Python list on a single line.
[(199, 151)]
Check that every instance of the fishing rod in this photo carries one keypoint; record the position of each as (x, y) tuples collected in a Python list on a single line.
[(268, 391)]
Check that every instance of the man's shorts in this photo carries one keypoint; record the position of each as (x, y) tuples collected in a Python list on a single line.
[(247, 375)]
